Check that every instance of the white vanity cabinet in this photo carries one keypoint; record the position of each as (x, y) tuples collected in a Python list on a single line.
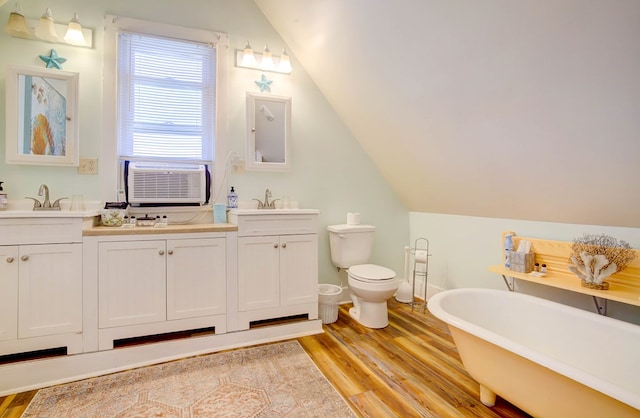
[(196, 278), (9, 292), (49, 289), (276, 271), (158, 280), (277, 264), (40, 284), (158, 294), (157, 284), (131, 282)]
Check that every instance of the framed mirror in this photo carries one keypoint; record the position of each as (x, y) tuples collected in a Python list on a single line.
[(268, 132), (42, 116)]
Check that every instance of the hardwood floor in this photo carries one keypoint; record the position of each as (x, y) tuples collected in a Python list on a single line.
[(409, 369), (13, 406)]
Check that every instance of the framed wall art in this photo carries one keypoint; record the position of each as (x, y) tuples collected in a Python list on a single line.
[(42, 116)]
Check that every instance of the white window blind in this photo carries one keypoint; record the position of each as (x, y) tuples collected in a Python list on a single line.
[(166, 98)]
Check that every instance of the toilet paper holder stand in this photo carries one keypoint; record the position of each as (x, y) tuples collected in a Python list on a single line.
[(420, 253)]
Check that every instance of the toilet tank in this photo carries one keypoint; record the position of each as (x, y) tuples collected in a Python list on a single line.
[(350, 244)]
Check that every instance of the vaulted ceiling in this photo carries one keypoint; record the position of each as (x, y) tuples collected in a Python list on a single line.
[(493, 108)]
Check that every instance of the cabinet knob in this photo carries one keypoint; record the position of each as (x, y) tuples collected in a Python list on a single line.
[(284, 245), (275, 245), (161, 252), (170, 252), (9, 259), (24, 258)]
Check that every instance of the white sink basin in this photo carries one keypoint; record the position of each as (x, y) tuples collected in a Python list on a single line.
[(273, 211), (47, 213)]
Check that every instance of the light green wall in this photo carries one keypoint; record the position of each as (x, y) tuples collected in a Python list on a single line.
[(329, 172), (463, 247)]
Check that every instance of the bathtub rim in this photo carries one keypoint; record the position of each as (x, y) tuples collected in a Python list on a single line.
[(434, 305)]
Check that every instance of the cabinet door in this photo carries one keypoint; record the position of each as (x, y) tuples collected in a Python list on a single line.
[(50, 289), (131, 283), (9, 291), (298, 269), (258, 273), (196, 277)]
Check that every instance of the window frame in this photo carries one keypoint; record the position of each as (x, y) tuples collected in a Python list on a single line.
[(110, 164)]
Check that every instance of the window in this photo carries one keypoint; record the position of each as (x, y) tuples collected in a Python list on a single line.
[(166, 98)]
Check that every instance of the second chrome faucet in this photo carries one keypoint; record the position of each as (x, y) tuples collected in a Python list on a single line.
[(266, 204)]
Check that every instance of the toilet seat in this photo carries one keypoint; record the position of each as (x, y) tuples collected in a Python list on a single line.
[(371, 273)]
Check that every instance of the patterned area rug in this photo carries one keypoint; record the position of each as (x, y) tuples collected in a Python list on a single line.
[(275, 380)]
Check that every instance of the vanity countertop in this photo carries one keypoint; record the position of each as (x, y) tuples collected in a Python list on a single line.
[(9, 214), (274, 211), (150, 230)]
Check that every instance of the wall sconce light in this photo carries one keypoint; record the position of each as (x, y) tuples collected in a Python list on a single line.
[(285, 62), (247, 58), (267, 63), (74, 35), (46, 29), (17, 25)]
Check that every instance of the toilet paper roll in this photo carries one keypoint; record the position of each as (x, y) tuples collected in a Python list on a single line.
[(421, 256), (353, 218)]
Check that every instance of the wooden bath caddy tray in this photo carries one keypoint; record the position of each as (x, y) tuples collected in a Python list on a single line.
[(624, 287)]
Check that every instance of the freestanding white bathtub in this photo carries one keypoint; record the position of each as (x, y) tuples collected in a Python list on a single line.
[(549, 359)]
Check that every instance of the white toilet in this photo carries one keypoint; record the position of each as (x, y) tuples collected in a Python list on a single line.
[(370, 285)]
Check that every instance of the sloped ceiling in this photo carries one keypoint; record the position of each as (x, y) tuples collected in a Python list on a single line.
[(511, 109)]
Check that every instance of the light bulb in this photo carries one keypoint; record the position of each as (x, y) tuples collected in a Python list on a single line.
[(74, 35), (17, 25), (267, 61), (46, 29), (285, 63), (248, 59)]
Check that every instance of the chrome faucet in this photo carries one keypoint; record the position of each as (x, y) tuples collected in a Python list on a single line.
[(266, 204), (45, 188), (46, 203)]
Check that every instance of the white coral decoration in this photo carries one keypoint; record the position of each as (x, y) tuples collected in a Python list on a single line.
[(591, 268)]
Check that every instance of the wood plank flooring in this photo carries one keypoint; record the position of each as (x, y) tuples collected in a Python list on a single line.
[(409, 369)]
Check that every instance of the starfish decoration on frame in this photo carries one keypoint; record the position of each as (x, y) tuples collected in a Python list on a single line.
[(264, 84), (53, 60)]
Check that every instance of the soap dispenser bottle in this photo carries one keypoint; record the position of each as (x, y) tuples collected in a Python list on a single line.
[(3, 198), (232, 199)]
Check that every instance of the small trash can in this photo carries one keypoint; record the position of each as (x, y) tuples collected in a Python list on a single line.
[(328, 301)]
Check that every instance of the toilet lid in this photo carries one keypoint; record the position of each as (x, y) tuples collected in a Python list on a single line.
[(371, 273)]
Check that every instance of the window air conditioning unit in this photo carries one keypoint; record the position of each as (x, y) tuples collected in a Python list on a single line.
[(158, 184)]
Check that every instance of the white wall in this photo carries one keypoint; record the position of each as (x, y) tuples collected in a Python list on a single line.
[(329, 171), (487, 108), (462, 248)]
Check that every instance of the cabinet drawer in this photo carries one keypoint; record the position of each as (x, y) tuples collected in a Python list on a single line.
[(253, 225), (40, 231)]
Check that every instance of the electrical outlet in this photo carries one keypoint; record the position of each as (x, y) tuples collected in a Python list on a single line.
[(88, 166)]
